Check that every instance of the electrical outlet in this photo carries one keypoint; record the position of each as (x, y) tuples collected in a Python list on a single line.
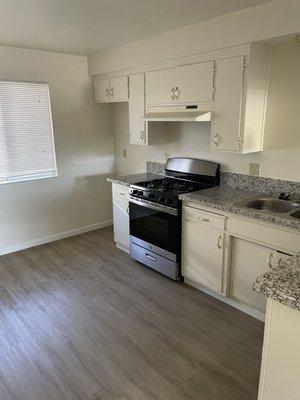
[(167, 156), (254, 169), (124, 153)]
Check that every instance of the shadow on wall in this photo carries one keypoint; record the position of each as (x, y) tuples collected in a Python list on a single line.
[(96, 191), (282, 129)]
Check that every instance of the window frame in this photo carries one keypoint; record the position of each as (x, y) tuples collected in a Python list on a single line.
[(37, 176)]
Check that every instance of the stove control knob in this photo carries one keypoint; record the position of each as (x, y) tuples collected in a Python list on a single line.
[(163, 199), (150, 196), (133, 191), (140, 193)]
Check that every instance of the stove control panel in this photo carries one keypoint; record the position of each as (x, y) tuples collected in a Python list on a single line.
[(169, 200)]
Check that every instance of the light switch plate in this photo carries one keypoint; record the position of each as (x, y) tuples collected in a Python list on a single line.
[(254, 169)]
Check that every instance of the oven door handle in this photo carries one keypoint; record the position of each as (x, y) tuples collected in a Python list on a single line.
[(157, 207)]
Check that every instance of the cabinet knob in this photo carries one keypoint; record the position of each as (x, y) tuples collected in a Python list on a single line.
[(203, 219), (217, 139), (220, 242), (172, 93)]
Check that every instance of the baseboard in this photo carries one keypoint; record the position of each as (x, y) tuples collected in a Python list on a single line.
[(231, 302), (53, 238)]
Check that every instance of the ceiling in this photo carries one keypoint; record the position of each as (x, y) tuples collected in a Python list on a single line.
[(84, 26)]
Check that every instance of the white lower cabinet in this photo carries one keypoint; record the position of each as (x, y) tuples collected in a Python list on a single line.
[(249, 261), (224, 255), (121, 217), (202, 248), (280, 368)]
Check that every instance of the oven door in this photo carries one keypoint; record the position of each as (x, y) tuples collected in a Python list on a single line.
[(155, 227)]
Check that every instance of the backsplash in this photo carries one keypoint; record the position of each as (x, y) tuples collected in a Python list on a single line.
[(245, 182), (261, 184), (156, 168)]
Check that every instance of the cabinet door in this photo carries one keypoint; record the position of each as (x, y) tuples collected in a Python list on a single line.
[(249, 261), (202, 254), (119, 88), (226, 125), (121, 217), (159, 86), (137, 126), (101, 89), (194, 83)]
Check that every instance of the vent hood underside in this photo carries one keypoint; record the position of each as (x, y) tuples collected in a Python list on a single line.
[(192, 113)]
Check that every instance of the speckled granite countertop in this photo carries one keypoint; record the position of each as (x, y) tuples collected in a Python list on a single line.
[(281, 284), (135, 178), (225, 198)]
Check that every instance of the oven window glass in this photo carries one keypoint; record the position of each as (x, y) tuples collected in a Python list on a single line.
[(155, 227)]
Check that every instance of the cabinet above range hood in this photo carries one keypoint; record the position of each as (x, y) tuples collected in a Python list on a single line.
[(180, 113)]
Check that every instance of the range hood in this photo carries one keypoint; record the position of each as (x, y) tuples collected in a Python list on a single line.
[(184, 113)]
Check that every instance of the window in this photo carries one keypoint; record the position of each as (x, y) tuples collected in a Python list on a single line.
[(26, 133)]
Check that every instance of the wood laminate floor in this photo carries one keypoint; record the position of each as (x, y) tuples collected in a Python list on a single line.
[(79, 320)]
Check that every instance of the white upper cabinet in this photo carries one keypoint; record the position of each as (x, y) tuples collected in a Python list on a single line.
[(111, 90), (240, 101), (101, 90), (137, 126), (228, 104), (159, 85), (194, 83), (118, 88), (181, 85)]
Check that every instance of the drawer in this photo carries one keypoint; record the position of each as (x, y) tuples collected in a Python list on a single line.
[(120, 195), (202, 217)]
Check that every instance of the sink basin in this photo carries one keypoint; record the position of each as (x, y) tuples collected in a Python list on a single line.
[(273, 205), (296, 214)]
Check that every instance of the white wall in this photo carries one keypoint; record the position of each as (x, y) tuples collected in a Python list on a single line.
[(281, 156), (80, 196), (276, 18)]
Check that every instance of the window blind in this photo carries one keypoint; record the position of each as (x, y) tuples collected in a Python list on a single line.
[(26, 133)]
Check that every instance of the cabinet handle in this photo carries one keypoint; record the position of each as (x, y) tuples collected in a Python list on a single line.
[(112, 92), (172, 93), (150, 257), (220, 242), (270, 258), (177, 93), (216, 139), (203, 219)]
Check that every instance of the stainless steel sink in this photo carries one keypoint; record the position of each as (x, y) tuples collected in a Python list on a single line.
[(296, 214), (272, 205)]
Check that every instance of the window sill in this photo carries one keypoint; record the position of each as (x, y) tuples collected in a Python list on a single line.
[(29, 178)]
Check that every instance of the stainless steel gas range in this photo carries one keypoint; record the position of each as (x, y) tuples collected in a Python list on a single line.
[(155, 212)]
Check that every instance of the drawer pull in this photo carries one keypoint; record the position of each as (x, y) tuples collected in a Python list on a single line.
[(203, 219), (150, 257)]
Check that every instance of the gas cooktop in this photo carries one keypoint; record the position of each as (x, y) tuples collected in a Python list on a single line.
[(171, 185)]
